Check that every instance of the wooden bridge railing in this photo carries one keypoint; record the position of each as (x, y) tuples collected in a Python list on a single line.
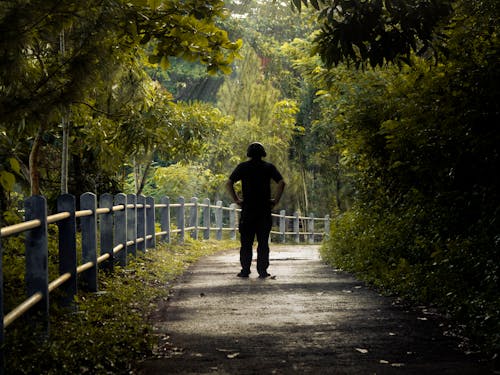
[(118, 226)]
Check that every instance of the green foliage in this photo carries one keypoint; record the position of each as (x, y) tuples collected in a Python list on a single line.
[(109, 333), (421, 144), (86, 59), (376, 32), (187, 180)]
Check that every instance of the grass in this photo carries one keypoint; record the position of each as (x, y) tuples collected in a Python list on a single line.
[(109, 331)]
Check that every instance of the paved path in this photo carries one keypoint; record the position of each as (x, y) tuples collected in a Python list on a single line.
[(308, 319)]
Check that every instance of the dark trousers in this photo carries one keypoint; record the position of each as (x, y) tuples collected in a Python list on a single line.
[(255, 225)]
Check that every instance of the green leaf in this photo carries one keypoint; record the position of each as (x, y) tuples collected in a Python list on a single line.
[(7, 180), (298, 4), (14, 165), (315, 4)]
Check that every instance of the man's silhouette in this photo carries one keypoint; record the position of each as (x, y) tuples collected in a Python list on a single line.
[(256, 204)]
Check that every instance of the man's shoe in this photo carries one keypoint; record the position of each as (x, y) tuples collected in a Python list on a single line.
[(243, 274), (264, 275)]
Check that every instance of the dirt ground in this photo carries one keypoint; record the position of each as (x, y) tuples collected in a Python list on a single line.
[(306, 319)]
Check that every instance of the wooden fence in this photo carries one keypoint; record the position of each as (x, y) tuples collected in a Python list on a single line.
[(117, 227)]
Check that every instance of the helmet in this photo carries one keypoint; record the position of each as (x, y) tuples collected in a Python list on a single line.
[(256, 150)]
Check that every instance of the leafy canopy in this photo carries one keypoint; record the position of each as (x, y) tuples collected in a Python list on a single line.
[(375, 31)]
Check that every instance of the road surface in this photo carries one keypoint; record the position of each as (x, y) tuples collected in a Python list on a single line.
[(307, 319)]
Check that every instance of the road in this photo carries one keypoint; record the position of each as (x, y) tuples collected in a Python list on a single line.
[(307, 319)]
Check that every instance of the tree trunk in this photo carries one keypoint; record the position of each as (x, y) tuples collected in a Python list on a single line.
[(304, 186), (65, 154), (33, 163), (144, 175)]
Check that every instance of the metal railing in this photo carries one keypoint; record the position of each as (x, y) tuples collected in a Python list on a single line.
[(118, 226)]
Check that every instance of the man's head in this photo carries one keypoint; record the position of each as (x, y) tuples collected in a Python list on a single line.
[(256, 150)]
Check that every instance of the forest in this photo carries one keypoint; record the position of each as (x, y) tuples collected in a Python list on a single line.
[(383, 114)]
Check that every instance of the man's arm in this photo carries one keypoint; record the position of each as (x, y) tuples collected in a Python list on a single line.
[(232, 192), (279, 192)]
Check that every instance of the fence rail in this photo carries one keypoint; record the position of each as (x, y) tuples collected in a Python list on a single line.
[(118, 226)]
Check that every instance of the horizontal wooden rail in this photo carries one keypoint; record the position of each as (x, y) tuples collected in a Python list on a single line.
[(55, 218), (21, 227), (21, 309), (59, 281)]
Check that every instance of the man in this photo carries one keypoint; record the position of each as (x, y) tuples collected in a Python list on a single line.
[(255, 221)]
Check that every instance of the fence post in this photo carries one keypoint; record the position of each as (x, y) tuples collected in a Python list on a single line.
[(311, 228), (327, 226), (206, 218), (282, 225), (218, 220), (181, 214), (141, 223), (67, 249), (37, 275), (150, 223), (2, 361), (132, 224), (120, 237), (296, 227), (193, 218), (165, 219), (106, 231), (88, 201), (232, 220)]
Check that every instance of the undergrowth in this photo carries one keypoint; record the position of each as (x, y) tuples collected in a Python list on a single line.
[(108, 331), (401, 255)]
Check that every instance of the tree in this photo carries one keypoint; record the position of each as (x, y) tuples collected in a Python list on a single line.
[(422, 145), (102, 38), (376, 31)]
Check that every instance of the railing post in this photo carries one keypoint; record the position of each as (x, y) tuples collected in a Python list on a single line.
[(311, 228), (132, 224), (232, 220), (193, 218), (296, 227), (218, 220), (206, 218), (150, 223), (106, 231), (67, 249), (165, 219), (141, 223), (282, 225), (181, 214), (120, 237), (327, 226), (2, 338), (37, 275), (88, 201)]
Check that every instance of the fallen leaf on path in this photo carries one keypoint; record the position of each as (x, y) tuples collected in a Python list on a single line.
[(233, 355), (392, 334), (346, 291), (422, 318), (397, 364), (384, 361), (361, 350), (225, 350)]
